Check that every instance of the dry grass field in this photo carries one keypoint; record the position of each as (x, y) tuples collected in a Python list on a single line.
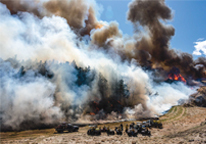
[(180, 125)]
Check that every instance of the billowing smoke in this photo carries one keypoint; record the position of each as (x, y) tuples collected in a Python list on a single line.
[(80, 14), (100, 36), (50, 72), (149, 15), (21, 5), (25, 96)]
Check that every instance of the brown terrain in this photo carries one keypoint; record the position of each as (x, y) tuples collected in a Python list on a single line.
[(180, 125)]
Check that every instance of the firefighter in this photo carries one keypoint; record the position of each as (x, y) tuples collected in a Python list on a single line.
[(147, 129), (97, 129), (93, 129), (121, 127), (132, 131), (126, 128)]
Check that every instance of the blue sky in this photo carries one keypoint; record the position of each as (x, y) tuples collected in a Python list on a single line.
[(189, 20)]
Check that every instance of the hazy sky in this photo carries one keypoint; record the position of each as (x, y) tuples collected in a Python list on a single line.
[(189, 21)]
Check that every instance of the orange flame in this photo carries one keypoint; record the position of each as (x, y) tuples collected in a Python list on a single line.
[(98, 26), (177, 77), (91, 113)]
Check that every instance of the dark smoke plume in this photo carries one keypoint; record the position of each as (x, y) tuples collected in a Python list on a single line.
[(149, 14)]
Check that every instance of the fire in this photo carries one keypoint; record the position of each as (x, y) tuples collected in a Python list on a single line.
[(98, 26), (176, 77), (91, 113), (95, 108)]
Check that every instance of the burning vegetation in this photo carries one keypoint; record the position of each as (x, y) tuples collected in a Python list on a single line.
[(59, 63), (175, 75)]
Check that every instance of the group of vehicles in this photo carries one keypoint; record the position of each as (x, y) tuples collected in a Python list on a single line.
[(95, 131), (138, 128), (142, 128), (131, 130), (66, 127)]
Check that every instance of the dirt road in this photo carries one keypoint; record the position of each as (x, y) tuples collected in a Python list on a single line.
[(181, 125)]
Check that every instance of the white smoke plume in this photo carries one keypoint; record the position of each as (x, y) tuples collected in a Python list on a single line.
[(49, 74), (27, 98)]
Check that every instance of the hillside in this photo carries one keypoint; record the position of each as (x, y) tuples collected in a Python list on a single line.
[(198, 98)]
